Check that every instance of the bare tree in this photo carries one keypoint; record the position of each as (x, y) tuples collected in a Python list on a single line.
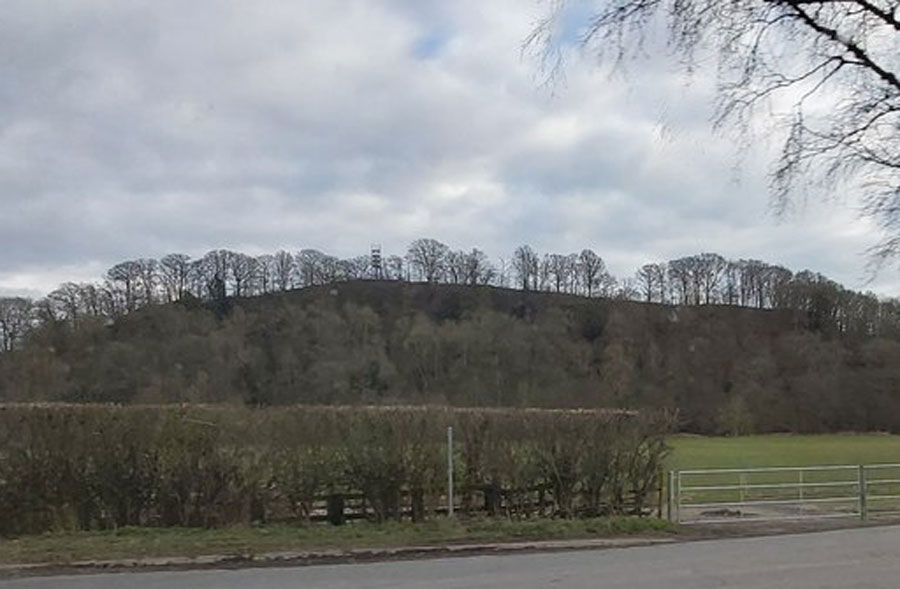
[(198, 278), (502, 277), (590, 267), (775, 280), (525, 263), (456, 267), (148, 279), (681, 281), (15, 320), (836, 63), (654, 283), (309, 265), (173, 270), (731, 282), (559, 270), (125, 278), (88, 298), (284, 270), (478, 268), (543, 273), (265, 272), (626, 291), (469, 267), (67, 298), (356, 268), (395, 268), (574, 278), (331, 270), (709, 269), (241, 270), (428, 257), (752, 278), (649, 281), (607, 285), (216, 273), (818, 297)]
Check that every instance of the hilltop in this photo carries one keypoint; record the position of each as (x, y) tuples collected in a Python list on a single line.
[(726, 369)]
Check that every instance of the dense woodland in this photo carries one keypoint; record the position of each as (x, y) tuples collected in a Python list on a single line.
[(735, 346)]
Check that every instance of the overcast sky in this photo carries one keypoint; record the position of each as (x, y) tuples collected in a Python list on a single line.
[(136, 129)]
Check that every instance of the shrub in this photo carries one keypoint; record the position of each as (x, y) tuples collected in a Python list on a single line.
[(66, 467)]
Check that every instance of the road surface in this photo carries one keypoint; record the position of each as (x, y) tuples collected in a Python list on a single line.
[(839, 559)]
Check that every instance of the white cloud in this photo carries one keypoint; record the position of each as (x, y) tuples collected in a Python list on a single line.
[(136, 129)]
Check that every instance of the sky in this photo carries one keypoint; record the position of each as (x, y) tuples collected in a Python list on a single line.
[(141, 128)]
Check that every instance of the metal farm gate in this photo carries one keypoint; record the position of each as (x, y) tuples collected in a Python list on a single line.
[(783, 493)]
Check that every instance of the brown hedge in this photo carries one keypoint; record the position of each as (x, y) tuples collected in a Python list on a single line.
[(65, 467)]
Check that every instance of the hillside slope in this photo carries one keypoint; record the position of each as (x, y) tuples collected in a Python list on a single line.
[(727, 369)]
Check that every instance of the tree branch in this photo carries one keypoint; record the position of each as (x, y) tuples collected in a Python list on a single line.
[(867, 6), (848, 45)]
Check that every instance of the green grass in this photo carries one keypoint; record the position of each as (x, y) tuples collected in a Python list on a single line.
[(154, 542), (697, 452), (700, 453)]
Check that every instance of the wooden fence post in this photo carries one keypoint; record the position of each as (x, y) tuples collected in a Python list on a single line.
[(336, 515), (450, 470), (659, 496)]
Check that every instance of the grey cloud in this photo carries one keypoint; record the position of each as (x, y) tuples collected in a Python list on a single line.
[(141, 128)]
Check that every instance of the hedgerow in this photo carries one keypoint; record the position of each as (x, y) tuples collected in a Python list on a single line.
[(82, 467)]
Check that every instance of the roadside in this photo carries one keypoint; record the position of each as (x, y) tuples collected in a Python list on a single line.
[(145, 550), (320, 557), (279, 545)]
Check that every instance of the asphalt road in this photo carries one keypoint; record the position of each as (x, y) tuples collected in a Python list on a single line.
[(840, 559)]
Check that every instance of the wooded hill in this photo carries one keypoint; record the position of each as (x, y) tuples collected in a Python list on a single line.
[(726, 369)]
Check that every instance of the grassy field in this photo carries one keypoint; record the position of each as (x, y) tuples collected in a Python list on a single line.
[(700, 453), (697, 452), (244, 540)]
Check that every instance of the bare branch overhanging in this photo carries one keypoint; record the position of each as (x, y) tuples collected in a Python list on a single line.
[(841, 53)]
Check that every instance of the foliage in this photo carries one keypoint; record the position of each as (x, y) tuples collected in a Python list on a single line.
[(827, 366), (89, 467)]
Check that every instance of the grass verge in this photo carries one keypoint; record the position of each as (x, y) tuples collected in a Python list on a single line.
[(61, 548)]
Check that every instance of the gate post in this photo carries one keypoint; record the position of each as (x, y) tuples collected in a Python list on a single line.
[(863, 503), (678, 497)]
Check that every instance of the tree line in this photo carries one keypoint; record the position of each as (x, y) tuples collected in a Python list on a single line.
[(726, 369), (702, 279)]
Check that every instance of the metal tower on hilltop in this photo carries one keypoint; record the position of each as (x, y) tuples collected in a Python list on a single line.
[(377, 270)]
